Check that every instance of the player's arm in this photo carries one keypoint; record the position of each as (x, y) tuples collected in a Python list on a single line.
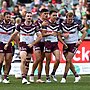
[(46, 33), (11, 38), (61, 40), (84, 33), (39, 37)]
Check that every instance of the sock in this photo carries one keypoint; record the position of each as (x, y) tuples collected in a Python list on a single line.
[(5, 76), (9, 69), (65, 75), (23, 76), (76, 75), (0, 68), (47, 77), (31, 74), (39, 76), (53, 72)]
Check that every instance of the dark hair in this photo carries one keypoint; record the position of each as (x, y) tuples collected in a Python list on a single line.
[(88, 9), (44, 10), (88, 16), (52, 11), (29, 12), (23, 5), (16, 6), (6, 13)]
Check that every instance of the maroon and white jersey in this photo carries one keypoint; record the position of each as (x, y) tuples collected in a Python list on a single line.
[(6, 29), (38, 23), (73, 30), (27, 32), (52, 27)]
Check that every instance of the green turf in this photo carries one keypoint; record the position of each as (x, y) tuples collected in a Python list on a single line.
[(15, 84)]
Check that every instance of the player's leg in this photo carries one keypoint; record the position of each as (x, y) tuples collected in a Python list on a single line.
[(67, 66), (56, 64), (1, 62), (23, 55), (35, 64), (1, 59), (77, 77), (8, 60), (47, 66), (40, 66)]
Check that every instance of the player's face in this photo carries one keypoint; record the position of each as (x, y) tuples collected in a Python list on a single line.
[(28, 17), (7, 18), (53, 16), (44, 15), (69, 20)]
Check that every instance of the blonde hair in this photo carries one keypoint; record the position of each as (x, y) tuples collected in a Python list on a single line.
[(1, 16), (18, 20), (70, 14)]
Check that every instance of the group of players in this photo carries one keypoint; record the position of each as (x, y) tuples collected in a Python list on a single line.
[(41, 37)]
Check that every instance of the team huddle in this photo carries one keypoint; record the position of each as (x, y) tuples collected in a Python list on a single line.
[(40, 37)]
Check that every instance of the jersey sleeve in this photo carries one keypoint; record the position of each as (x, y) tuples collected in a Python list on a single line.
[(18, 28), (60, 28)]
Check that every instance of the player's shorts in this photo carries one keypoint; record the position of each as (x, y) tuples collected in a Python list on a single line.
[(51, 46), (71, 48), (9, 48), (24, 47), (39, 46)]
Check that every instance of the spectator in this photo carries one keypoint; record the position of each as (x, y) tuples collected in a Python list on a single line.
[(80, 8), (43, 6), (50, 5), (15, 12), (4, 7), (88, 20), (62, 14), (23, 14)]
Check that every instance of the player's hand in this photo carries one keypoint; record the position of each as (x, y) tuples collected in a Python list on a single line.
[(65, 35), (44, 23), (30, 45), (65, 46), (78, 43), (54, 33), (5, 47)]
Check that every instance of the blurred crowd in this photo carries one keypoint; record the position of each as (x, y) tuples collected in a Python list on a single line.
[(81, 9)]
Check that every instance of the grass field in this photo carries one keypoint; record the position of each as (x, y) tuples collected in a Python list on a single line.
[(15, 84)]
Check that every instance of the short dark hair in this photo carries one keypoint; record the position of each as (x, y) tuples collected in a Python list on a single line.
[(6, 13), (23, 5), (16, 6), (44, 10), (52, 11), (88, 9), (28, 12)]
